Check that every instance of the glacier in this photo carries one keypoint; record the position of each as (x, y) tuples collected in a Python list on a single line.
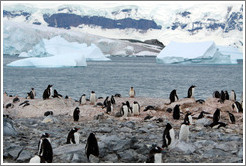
[(58, 52), (197, 52)]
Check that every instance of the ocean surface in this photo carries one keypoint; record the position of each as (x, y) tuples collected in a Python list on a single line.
[(148, 78)]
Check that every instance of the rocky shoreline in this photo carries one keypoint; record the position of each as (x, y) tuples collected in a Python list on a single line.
[(121, 140)]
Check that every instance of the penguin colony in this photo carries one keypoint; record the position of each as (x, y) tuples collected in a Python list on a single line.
[(45, 153)]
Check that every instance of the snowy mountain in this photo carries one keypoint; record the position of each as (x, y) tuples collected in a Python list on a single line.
[(218, 22)]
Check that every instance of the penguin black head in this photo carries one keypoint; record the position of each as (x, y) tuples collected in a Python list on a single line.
[(32, 88), (75, 129), (135, 102), (155, 149), (168, 126), (45, 135), (83, 95), (92, 92)]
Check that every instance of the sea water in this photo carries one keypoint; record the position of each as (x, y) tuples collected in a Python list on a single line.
[(148, 78)]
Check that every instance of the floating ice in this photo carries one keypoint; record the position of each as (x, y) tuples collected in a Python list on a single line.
[(57, 52), (199, 52)]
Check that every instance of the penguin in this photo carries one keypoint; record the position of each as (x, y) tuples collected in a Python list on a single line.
[(112, 100), (47, 113), (188, 118), (76, 114), (176, 112), (47, 92), (155, 154), (56, 94), (82, 99), (136, 108), (16, 99), (93, 98), (30, 95), (227, 95), (232, 117), (73, 136), (124, 110), (105, 102), (233, 95), (130, 108), (148, 117), (45, 151), (201, 115), (168, 136), (236, 106), (132, 92), (201, 101), (117, 95), (216, 115), (216, 94), (109, 107), (191, 91), (149, 107), (23, 103), (184, 132), (9, 105), (222, 97), (91, 146), (173, 96), (216, 125), (169, 110)]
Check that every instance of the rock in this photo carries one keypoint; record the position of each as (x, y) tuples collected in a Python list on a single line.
[(8, 128), (94, 159), (240, 153), (24, 156), (128, 156), (203, 121), (105, 130), (129, 124), (111, 157), (14, 151), (184, 147), (143, 130), (50, 119), (69, 148)]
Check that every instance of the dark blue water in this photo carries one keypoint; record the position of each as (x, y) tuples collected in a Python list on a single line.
[(117, 76)]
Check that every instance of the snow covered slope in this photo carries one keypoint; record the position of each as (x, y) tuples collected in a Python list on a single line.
[(221, 22)]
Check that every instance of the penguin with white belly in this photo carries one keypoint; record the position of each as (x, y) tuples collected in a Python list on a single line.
[(82, 99), (168, 136), (93, 98), (136, 108), (73, 136), (45, 151)]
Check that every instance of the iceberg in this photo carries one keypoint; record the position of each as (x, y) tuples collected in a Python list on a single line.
[(58, 52), (196, 52)]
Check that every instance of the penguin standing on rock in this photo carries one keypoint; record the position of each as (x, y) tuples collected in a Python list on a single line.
[(132, 92), (176, 112), (155, 155), (47, 92), (237, 107), (109, 107), (124, 110), (136, 108), (56, 94), (112, 100), (91, 146), (93, 98), (173, 96), (191, 91), (201, 115), (184, 131), (82, 99), (232, 117), (45, 151), (73, 136), (168, 136), (105, 102), (188, 118), (76, 114)]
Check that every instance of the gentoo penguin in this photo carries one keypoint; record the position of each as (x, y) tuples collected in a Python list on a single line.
[(176, 112), (91, 146), (188, 118), (82, 99), (124, 110), (47, 92), (216, 94), (9, 105), (73, 136), (236, 106), (76, 114), (112, 100), (201, 115), (155, 155), (148, 117), (56, 94), (109, 107), (93, 98), (232, 117), (227, 95), (117, 95), (31, 94), (16, 99), (149, 107), (201, 101), (168, 136), (184, 132), (45, 149), (173, 96), (191, 91), (222, 97), (136, 108), (47, 113), (130, 108), (216, 115), (233, 95), (25, 103), (105, 102), (132, 92)]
